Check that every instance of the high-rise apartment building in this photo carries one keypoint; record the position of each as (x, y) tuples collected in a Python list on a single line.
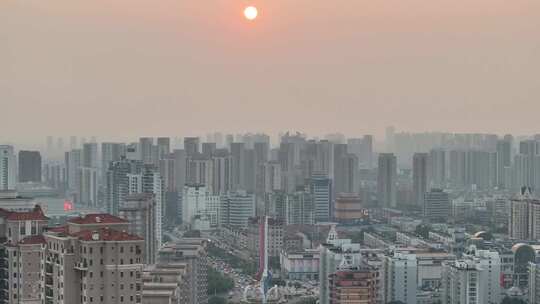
[(386, 180), (8, 173), (110, 152), (146, 145), (140, 211), (420, 179), (524, 217), (92, 260), (192, 252), (191, 146), (437, 168), (299, 209), (473, 279), (20, 251), (163, 147), (504, 160), (400, 278)]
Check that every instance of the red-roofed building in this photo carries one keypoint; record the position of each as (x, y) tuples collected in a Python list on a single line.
[(96, 251), (21, 245), (96, 221)]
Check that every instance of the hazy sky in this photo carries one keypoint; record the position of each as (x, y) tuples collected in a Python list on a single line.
[(151, 67)]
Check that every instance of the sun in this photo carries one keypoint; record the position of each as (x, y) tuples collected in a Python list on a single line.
[(251, 13)]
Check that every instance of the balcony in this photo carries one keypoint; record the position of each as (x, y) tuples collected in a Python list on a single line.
[(81, 266)]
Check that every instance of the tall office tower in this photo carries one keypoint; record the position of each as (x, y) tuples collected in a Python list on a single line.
[(420, 170), (118, 182), (20, 246), (320, 189), (191, 146), (504, 160), (73, 162), (199, 170), (87, 191), (236, 209), (356, 285), (8, 174), (73, 142), (140, 211), (437, 168), (399, 280), (386, 180), (180, 163), (110, 152), (272, 177), (340, 169), (222, 170), (299, 209), (93, 251), (146, 145), (29, 166), (90, 155), (167, 171), (239, 162), (164, 147), (208, 149), (524, 217), (193, 252), (437, 205), (471, 281), (250, 168)]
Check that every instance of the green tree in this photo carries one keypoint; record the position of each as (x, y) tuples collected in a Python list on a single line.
[(508, 300), (217, 300), (423, 230), (218, 283)]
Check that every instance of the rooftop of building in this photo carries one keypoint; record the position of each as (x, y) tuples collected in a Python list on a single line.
[(97, 218), (32, 240), (106, 234), (35, 215), (140, 197)]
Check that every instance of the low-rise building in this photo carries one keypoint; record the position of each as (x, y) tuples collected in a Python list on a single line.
[(300, 265)]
